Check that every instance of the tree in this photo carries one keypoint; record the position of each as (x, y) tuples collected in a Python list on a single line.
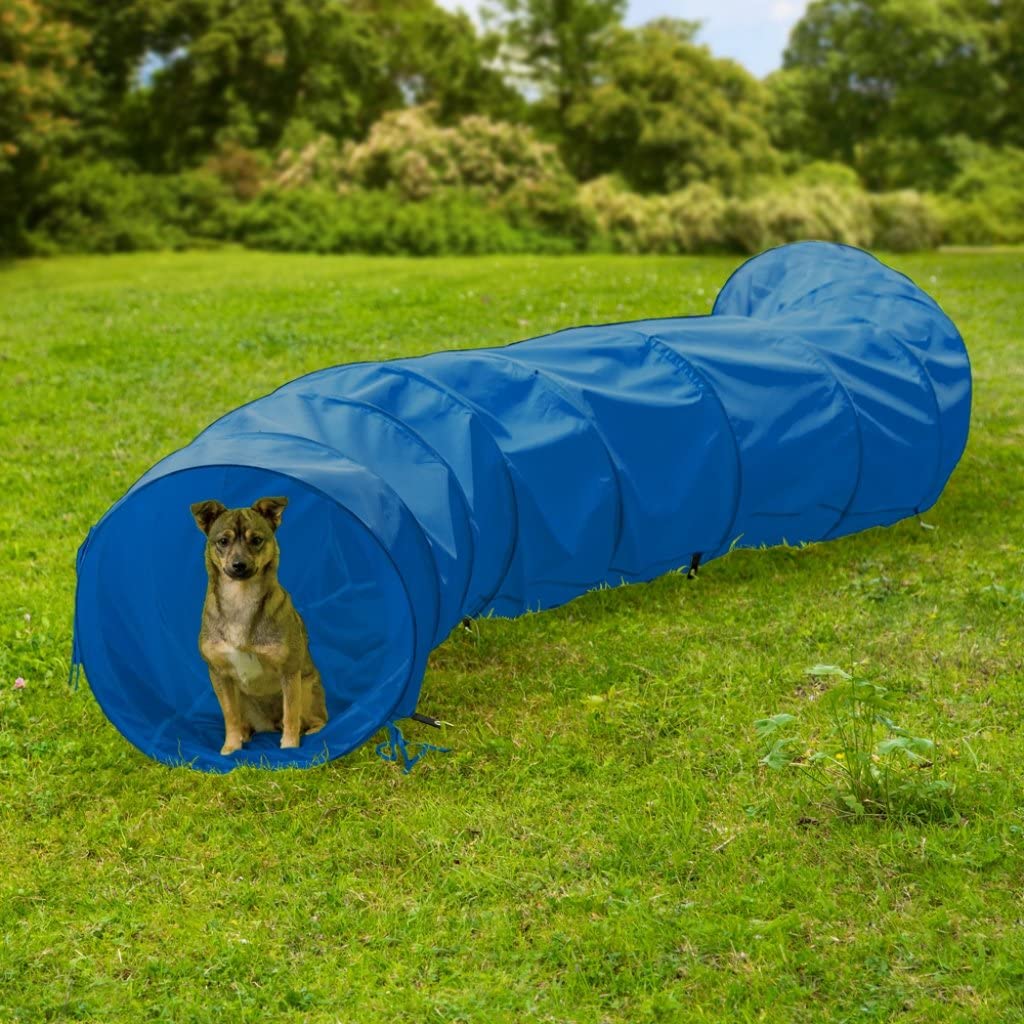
[(41, 82), (116, 37), (238, 71), (554, 47), (1003, 22), (436, 56), (242, 72), (884, 85), (664, 112)]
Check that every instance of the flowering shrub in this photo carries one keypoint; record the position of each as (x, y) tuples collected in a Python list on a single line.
[(412, 159), (690, 220), (315, 162), (791, 214), (700, 219), (407, 151)]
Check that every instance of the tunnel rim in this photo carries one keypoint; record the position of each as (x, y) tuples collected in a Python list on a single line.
[(353, 739)]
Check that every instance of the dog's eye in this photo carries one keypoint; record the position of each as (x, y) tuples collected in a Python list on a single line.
[(256, 541), (222, 542)]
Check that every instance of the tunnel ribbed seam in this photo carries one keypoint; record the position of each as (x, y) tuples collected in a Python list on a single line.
[(814, 351), (357, 403), (438, 386), (697, 378), (587, 417), (919, 366)]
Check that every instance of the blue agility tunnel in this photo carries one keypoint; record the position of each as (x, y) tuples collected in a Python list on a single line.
[(825, 394)]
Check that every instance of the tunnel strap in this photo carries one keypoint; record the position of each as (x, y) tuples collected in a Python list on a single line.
[(395, 749)]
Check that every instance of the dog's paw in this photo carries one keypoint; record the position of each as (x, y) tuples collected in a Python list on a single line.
[(230, 746), (290, 742), (315, 726)]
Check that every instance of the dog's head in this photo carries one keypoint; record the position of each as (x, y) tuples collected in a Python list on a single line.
[(240, 541)]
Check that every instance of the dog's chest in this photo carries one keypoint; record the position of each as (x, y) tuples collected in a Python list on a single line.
[(254, 676)]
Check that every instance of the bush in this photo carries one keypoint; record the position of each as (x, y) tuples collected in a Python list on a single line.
[(406, 150), (99, 208), (689, 220), (826, 172), (905, 221), (548, 208), (985, 201), (485, 187), (799, 212), (617, 214), (362, 220), (407, 155), (315, 161), (699, 219), (243, 171)]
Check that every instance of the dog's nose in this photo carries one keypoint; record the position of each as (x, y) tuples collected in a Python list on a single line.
[(238, 565)]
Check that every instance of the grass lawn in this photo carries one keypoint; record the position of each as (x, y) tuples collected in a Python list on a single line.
[(602, 844)]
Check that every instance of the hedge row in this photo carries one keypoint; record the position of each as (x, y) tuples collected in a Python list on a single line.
[(100, 209)]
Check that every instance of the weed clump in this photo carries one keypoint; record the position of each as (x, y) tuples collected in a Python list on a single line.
[(866, 766)]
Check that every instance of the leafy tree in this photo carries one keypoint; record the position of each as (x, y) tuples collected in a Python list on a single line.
[(435, 56), (1003, 21), (116, 37), (240, 72), (41, 79), (884, 85), (665, 112), (555, 47)]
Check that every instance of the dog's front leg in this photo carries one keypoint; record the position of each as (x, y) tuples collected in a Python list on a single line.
[(291, 735), (226, 689)]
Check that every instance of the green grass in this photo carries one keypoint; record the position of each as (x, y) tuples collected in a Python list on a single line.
[(601, 844)]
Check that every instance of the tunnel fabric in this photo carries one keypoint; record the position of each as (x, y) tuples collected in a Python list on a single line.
[(825, 394)]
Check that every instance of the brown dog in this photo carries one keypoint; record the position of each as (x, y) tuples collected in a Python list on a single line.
[(252, 638)]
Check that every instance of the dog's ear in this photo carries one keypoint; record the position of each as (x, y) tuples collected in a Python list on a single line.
[(206, 513), (271, 509)]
